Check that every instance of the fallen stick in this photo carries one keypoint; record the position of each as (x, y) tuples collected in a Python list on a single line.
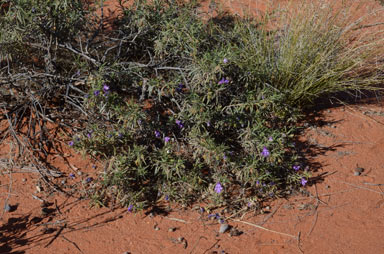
[(176, 219), (360, 187), (266, 229)]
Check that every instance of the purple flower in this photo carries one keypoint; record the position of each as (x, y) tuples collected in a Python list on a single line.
[(218, 187), (202, 209), (86, 96), (71, 143), (225, 157), (208, 123), (179, 88), (130, 208), (167, 139), (304, 181), (105, 88), (72, 175), (89, 135), (210, 216), (270, 139), (225, 60), (166, 198), (157, 134), (96, 93), (265, 153), (257, 182), (120, 134), (180, 124), (296, 167), (89, 179), (223, 81), (216, 215)]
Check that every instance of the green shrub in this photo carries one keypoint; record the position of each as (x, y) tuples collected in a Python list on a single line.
[(183, 107)]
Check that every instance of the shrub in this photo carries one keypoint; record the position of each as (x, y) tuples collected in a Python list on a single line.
[(183, 107)]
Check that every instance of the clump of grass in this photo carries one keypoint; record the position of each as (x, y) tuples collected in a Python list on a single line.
[(185, 108), (314, 51)]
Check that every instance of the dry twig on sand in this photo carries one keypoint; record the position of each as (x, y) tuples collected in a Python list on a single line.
[(266, 229)]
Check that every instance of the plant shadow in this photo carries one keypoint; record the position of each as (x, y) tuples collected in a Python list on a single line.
[(26, 232)]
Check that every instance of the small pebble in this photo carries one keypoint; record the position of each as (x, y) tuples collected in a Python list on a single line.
[(24, 180), (235, 232), (79, 173), (172, 229), (156, 228), (358, 171), (223, 228), (180, 239), (7, 208)]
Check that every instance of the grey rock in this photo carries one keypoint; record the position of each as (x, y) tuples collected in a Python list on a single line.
[(7, 208), (223, 228)]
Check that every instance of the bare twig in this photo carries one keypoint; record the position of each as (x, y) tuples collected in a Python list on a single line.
[(361, 187), (266, 229), (37, 198), (56, 235), (176, 219), (318, 200), (72, 242), (197, 242), (367, 26), (270, 215), (70, 48), (375, 184), (314, 222), (298, 243), (212, 246), (8, 196)]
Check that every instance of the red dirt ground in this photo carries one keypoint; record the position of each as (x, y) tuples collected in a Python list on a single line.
[(343, 212)]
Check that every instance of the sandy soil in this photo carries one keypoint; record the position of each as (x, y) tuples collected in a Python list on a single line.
[(343, 211)]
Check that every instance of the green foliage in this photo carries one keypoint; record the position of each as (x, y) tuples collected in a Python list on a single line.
[(181, 106)]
